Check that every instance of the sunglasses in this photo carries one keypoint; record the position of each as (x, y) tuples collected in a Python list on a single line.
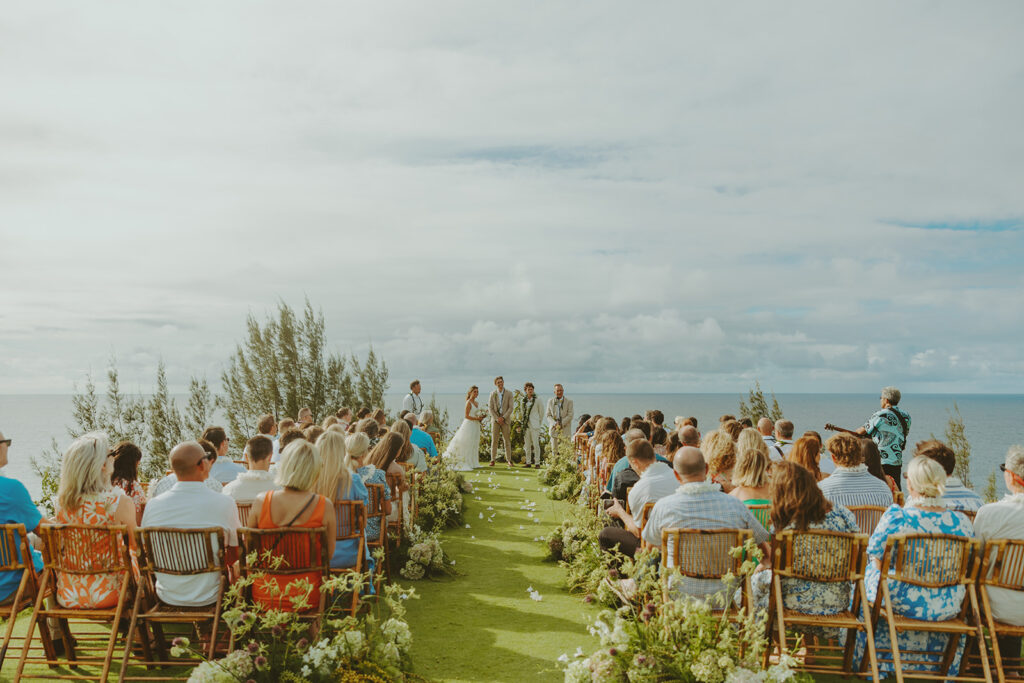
[(6, 441)]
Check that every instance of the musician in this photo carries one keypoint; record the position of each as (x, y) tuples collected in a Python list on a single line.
[(888, 428)]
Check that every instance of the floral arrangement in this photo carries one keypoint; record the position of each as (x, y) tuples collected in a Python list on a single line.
[(275, 645), (424, 555), (439, 497), (651, 639), (561, 473)]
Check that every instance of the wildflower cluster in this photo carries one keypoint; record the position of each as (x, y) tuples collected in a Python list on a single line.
[(561, 474), (424, 555), (439, 498)]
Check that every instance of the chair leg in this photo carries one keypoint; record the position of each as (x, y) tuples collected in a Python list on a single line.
[(869, 635), (976, 622), (114, 628), (128, 637), (890, 617), (36, 610)]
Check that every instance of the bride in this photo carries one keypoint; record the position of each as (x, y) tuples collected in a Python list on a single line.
[(463, 452)]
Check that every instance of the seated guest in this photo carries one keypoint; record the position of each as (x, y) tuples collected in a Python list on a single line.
[(381, 418), (329, 421), (357, 447), (797, 503), (85, 496), (288, 436), (751, 474), (659, 439), (344, 416), (258, 453), (732, 428), (1005, 519), (582, 423), (656, 481), (190, 505), (766, 428), (805, 452), (614, 450), (266, 426), (312, 433), (851, 483), (166, 483), (126, 475), (925, 513), (305, 418), (873, 460), (384, 456), (783, 437), (825, 464), (957, 496), (363, 412), (16, 507), (609, 452), (336, 482), (699, 504), (369, 427), (720, 451), (296, 505), (282, 427), (224, 468), (411, 453), (419, 437)]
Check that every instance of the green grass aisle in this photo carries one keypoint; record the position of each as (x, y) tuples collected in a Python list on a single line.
[(482, 625)]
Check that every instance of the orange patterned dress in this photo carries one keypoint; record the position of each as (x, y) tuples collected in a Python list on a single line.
[(91, 591), (274, 591)]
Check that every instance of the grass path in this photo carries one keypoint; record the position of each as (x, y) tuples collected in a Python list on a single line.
[(482, 625)]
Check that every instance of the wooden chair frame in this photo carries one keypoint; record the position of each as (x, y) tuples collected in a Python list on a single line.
[(947, 561), (16, 555), (824, 557), (178, 552), (645, 514), (762, 513), (243, 512), (867, 516), (376, 493), (1002, 567), (395, 527), (694, 555), (71, 549), (351, 525)]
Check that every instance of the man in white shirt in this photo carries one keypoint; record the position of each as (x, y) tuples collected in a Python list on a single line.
[(765, 426), (257, 478), (166, 483), (191, 505), (412, 401), (267, 426), (783, 439), (656, 481), (224, 469)]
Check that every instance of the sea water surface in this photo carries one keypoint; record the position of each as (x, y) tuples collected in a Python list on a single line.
[(993, 421)]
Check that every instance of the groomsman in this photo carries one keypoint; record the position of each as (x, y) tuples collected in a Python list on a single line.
[(559, 414), (533, 421), (412, 401), (500, 409)]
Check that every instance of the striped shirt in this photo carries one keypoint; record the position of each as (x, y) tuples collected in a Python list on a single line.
[(852, 486), (959, 497)]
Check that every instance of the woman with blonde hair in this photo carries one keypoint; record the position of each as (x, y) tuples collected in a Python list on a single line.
[(85, 496), (751, 438), (720, 452), (296, 505), (358, 452), (750, 476), (337, 482), (805, 452)]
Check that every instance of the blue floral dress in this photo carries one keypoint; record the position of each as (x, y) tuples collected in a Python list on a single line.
[(371, 475), (916, 602), (812, 597)]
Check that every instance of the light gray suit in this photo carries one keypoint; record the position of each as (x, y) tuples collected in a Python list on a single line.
[(559, 415), (501, 407)]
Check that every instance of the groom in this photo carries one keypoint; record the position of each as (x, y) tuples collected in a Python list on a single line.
[(500, 408)]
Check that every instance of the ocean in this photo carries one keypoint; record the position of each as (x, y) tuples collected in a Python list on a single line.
[(993, 422)]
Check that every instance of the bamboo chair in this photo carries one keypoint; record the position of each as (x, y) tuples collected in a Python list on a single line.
[(243, 512), (177, 552), (932, 561), (900, 498), (376, 511), (762, 513), (82, 550), (704, 554), (413, 477), (16, 556), (645, 514), (969, 514), (1003, 567), (351, 526), (396, 525), (628, 490), (823, 557), (581, 445), (867, 516)]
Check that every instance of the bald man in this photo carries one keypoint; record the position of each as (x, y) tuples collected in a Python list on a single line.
[(698, 504), (689, 436), (189, 504)]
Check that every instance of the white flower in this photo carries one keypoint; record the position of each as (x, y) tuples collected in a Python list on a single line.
[(563, 658), (536, 596), (467, 526), (481, 516)]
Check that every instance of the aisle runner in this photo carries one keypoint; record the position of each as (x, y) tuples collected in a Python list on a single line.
[(484, 625)]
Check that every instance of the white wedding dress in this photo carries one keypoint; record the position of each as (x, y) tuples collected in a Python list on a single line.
[(463, 452)]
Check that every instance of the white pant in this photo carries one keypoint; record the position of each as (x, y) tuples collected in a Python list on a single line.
[(531, 445)]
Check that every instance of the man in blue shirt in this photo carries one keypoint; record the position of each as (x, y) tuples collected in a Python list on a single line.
[(16, 507), (889, 428), (419, 437)]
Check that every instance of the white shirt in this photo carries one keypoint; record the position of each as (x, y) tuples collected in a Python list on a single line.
[(413, 403), (191, 505), (250, 484), (657, 481), (225, 470), (1004, 519), (168, 482)]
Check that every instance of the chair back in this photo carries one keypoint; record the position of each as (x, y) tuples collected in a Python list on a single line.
[(1004, 564), (969, 514), (243, 512), (14, 551), (351, 519), (762, 513), (899, 498), (645, 513), (181, 552), (580, 444), (930, 560), (867, 516), (818, 555), (702, 553), (285, 550), (376, 511), (394, 483), (82, 549)]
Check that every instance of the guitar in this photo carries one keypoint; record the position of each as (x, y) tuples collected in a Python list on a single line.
[(829, 427)]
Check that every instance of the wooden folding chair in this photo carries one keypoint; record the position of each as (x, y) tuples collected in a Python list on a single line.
[(762, 513), (823, 557), (867, 516), (78, 550), (243, 512), (900, 498), (376, 511), (932, 561), (704, 554), (351, 526), (1002, 568), (969, 514), (396, 525), (580, 444), (175, 552), (413, 477), (16, 556), (645, 514)]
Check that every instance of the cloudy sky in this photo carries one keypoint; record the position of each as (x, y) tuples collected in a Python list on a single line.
[(655, 197)]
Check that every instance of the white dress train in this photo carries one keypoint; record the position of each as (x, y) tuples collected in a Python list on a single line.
[(463, 452)]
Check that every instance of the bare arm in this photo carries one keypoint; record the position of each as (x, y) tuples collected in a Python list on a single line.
[(125, 514), (332, 527)]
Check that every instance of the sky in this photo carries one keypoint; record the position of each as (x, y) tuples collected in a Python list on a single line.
[(663, 197)]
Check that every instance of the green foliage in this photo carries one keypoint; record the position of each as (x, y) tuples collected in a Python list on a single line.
[(282, 366), (756, 406), (441, 418), (991, 493), (956, 438), (439, 498), (561, 472), (574, 544)]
